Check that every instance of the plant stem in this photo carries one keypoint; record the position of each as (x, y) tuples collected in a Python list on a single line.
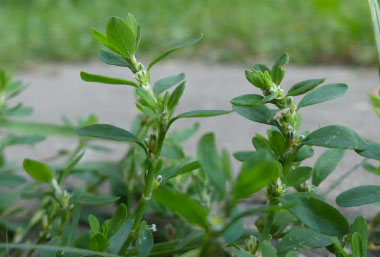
[(153, 158), (268, 225)]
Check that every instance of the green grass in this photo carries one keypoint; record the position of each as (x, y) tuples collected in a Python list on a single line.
[(312, 31)]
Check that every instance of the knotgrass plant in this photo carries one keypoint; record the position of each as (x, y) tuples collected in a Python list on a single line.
[(172, 205)]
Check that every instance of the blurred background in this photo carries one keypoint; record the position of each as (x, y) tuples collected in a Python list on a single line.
[(312, 31)]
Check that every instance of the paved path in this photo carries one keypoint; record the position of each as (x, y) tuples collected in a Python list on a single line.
[(57, 89)]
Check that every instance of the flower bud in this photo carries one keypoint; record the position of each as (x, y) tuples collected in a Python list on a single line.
[(251, 244), (289, 100)]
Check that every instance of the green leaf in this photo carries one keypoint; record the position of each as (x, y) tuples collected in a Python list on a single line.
[(360, 226), (144, 243), (106, 80), (359, 196), (50, 253), (182, 204), (146, 98), (102, 38), (199, 114), (117, 240), (357, 245), (147, 111), (236, 230), (250, 100), (38, 171), (375, 14), (37, 128), (94, 224), (268, 250), (304, 86), (110, 132), (323, 94), (176, 95), (171, 50), (69, 168), (371, 150), (113, 59), (166, 83), (254, 176), (20, 140), (270, 97), (326, 164), (184, 134), (98, 242), (91, 199), (298, 176), (277, 142), (299, 239), (132, 23), (261, 67), (336, 136), (291, 254), (277, 72), (261, 114), (317, 214), (172, 150), (303, 153), (244, 156), (117, 220), (10, 180), (181, 169), (192, 253), (260, 142), (209, 160), (121, 37)]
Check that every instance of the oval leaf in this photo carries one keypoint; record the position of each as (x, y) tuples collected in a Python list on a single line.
[(360, 226), (326, 164), (256, 175), (38, 171), (298, 176), (250, 100), (113, 59), (336, 136), (261, 114), (304, 86), (121, 37), (182, 204), (209, 160), (185, 44), (299, 239), (359, 196), (110, 132), (106, 80), (371, 150), (91, 199), (117, 220), (181, 169), (317, 214), (199, 114), (144, 243), (323, 94), (166, 83)]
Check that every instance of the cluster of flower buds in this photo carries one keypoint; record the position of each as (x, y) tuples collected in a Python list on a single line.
[(251, 244), (276, 190), (263, 80)]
